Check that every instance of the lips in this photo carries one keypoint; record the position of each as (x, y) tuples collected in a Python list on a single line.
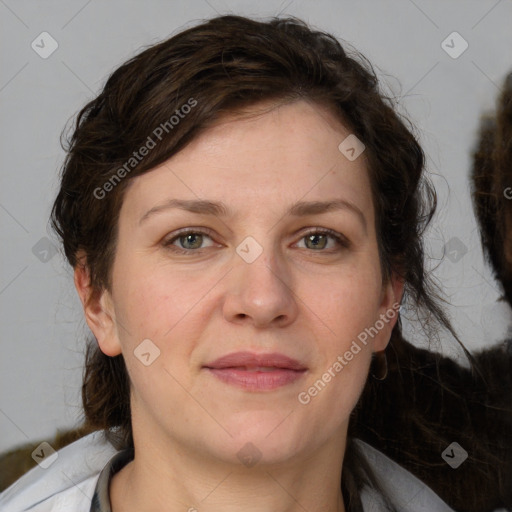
[(249, 360), (256, 372)]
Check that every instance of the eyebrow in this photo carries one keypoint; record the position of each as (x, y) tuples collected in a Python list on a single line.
[(219, 209)]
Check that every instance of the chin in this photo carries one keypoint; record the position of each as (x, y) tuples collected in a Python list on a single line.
[(264, 435)]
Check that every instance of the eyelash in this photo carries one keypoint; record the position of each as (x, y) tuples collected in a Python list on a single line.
[(340, 239)]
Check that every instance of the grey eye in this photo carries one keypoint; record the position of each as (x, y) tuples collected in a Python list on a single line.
[(191, 241), (316, 241)]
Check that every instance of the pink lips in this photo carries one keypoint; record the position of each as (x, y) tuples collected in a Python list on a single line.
[(256, 372)]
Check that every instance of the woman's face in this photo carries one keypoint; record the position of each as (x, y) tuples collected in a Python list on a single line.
[(230, 247)]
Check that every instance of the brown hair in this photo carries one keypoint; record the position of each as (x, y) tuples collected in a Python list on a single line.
[(224, 65)]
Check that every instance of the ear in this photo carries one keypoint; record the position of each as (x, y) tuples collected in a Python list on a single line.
[(98, 310), (391, 296)]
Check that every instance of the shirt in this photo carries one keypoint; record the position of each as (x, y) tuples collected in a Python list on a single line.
[(78, 480)]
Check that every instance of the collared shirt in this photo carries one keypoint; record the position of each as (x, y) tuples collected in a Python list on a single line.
[(78, 480), (101, 498)]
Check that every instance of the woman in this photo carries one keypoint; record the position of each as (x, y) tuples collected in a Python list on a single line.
[(243, 210)]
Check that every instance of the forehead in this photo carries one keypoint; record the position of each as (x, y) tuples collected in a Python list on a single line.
[(270, 155)]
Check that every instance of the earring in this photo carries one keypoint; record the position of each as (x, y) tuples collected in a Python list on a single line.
[(379, 365)]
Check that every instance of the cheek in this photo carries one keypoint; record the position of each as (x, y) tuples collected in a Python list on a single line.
[(350, 308), (350, 303), (330, 396), (153, 300)]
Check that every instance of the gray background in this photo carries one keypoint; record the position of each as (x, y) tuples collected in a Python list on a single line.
[(42, 328)]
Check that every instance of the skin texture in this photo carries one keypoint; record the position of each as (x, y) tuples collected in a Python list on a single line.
[(305, 301)]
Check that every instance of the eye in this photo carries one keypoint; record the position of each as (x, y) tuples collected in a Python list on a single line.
[(188, 241), (320, 239)]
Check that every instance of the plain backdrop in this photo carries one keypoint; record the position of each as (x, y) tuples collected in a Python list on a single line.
[(42, 326)]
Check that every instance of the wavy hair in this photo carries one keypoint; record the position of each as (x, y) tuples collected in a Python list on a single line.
[(226, 64)]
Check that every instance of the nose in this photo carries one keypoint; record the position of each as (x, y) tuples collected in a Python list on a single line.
[(260, 293)]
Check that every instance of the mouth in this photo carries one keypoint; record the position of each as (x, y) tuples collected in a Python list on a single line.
[(256, 372)]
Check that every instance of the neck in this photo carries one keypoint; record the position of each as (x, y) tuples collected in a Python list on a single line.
[(175, 478)]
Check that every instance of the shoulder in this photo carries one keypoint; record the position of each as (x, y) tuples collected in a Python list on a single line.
[(67, 483), (405, 491)]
